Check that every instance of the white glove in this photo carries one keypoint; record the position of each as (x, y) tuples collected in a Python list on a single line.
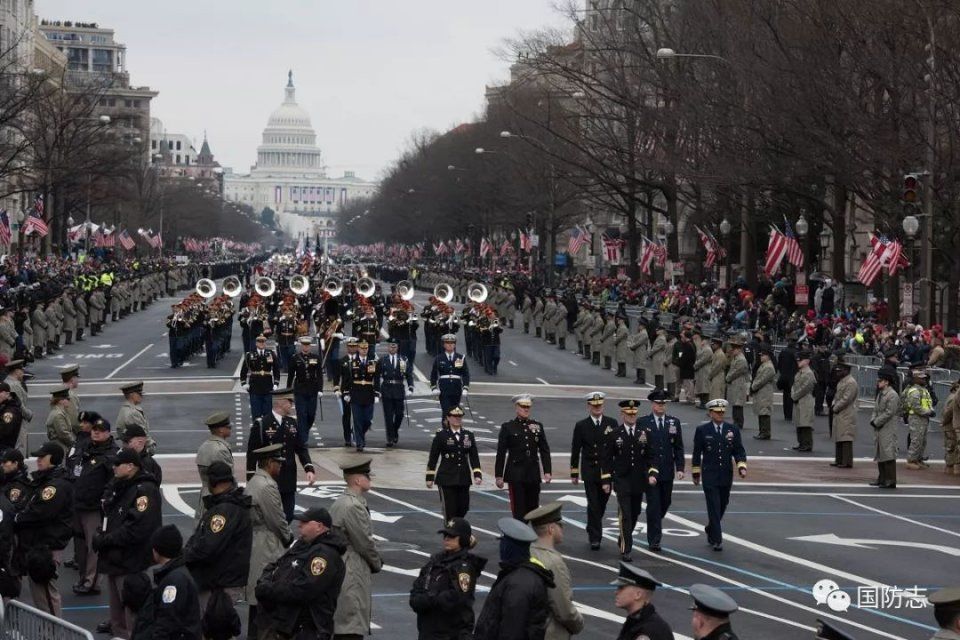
[(337, 393), (464, 393), (338, 336), (376, 400), (435, 392), (319, 394), (346, 398)]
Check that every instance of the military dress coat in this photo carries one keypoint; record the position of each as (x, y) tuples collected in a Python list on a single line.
[(802, 394), (607, 346), (701, 369), (564, 620), (761, 389), (738, 380), (59, 429), (131, 414), (884, 423), (639, 344), (621, 350), (845, 410), (718, 372), (271, 534), (355, 604), (658, 355)]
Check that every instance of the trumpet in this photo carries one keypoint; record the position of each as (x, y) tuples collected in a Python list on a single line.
[(443, 292), (232, 286), (299, 284), (365, 287), (477, 292), (405, 290), (265, 286), (206, 288)]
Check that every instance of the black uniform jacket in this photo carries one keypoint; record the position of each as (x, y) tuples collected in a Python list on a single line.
[(520, 593), (265, 432), (667, 443), (645, 623), (132, 512), (631, 460), (261, 371), (458, 458), (521, 449), (586, 452), (299, 590), (448, 374), (442, 595), (46, 518), (361, 380), (218, 552), (305, 374), (172, 612), (395, 379), (91, 465), (714, 454), (11, 419)]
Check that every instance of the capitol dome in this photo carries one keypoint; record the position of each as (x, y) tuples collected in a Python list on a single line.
[(289, 143)]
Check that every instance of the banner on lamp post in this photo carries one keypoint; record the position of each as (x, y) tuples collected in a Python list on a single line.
[(906, 301)]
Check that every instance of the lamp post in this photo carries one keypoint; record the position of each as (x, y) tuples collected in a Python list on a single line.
[(911, 225), (801, 291), (825, 237), (725, 234)]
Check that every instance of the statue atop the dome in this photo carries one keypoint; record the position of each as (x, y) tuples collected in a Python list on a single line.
[(290, 78)]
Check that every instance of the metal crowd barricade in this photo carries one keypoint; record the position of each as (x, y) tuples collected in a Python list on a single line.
[(866, 377), (23, 622), (862, 360)]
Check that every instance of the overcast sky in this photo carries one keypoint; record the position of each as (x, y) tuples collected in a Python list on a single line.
[(369, 72)]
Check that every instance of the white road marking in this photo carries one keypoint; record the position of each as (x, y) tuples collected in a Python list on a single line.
[(171, 494), (872, 544), (512, 362), (543, 381), (138, 354), (898, 517)]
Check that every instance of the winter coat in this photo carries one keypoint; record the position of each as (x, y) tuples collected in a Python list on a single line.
[(738, 380), (218, 552), (845, 410), (132, 510), (639, 344), (172, 612), (621, 350), (518, 603), (658, 355), (762, 389), (884, 422), (46, 518), (564, 619), (442, 595), (701, 369), (802, 394), (354, 607), (271, 533), (606, 338), (718, 372)]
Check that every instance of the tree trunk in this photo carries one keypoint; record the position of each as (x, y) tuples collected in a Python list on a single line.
[(748, 252), (633, 269), (670, 193), (840, 196)]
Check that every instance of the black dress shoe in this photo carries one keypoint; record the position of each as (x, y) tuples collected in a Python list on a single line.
[(594, 546), (71, 564), (834, 464), (104, 627), (889, 485), (626, 558), (655, 548), (389, 445), (718, 547), (761, 437)]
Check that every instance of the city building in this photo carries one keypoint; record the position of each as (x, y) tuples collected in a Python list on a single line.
[(96, 62), (175, 155), (290, 177)]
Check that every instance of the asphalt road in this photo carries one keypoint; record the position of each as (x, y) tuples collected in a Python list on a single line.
[(865, 541)]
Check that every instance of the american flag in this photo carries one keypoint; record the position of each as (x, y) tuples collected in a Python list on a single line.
[(5, 234), (525, 243), (611, 247), (35, 221), (578, 238), (126, 241), (660, 251), (776, 251), (107, 238), (873, 264), (647, 256), (897, 259), (485, 247), (505, 248), (38, 204), (794, 250), (714, 249), (460, 246)]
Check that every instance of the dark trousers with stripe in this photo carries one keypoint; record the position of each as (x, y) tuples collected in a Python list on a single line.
[(597, 500), (454, 501), (629, 506), (306, 404), (524, 498), (717, 499), (392, 417), (345, 421), (659, 497)]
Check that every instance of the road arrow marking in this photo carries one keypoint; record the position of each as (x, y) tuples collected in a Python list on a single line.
[(380, 517), (103, 346), (862, 543), (580, 501)]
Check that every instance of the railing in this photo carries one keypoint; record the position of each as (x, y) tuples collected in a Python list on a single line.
[(22, 622)]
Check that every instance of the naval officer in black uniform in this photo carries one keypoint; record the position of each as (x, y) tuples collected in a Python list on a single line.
[(521, 449), (280, 427), (716, 448), (635, 589), (666, 436), (586, 457), (455, 449)]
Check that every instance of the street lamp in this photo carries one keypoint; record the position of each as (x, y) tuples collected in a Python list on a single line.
[(725, 228), (911, 225), (802, 227)]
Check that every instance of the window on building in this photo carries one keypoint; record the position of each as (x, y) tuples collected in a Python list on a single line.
[(136, 104), (102, 60), (178, 158), (178, 145), (153, 144), (186, 159), (78, 59), (170, 145), (128, 103), (112, 102)]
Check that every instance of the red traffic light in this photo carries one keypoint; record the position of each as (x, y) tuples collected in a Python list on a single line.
[(911, 188)]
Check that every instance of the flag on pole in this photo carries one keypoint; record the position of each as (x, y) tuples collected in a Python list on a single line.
[(873, 263), (485, 247), (646, 257), (611, 248), (505, 248), (126, 241), (578, 238), (5, 233), (35, 221), (776, 251), (714, 248), (897, 259), (794, 250), (38, 204), (526, 244)]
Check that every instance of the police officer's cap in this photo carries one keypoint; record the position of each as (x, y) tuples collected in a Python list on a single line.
[(14, 365), (889, 376), (631, 576), (392, 341), (89, 416), (356, 466), (455, 410), (804, 355), (69, 371), (270, 452), (595, 397), (522, 399), (658, 395), (712, 601), (718, 404), (315, 514), (132, 387), (516, 530), (60, 393), (629, 406), (217, 419), (305, 340), (11, 455), (282, 394), (127, 455), (449, 337), (363, 343), (826, 631), (545, 514), (219, 472), (134, 431), (100, 424), (457, 528)]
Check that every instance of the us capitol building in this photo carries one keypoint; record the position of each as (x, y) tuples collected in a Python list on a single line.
[(290, 178)]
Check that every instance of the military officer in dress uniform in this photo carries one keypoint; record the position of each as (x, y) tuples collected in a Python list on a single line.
[(586, 457), (711, 613), (261, 371), (131, 413), (339, 374), (884, 421), (15, 376), (761, 389), (58, 420), (802, 392), (666, 437), (396, 378), (70, 375), (716, 448), (737, 379), (521, 450), (361, 388), (450, 375), (305, 377), (280, 427), (635, 589), (455, 449), (631, 460), (215, 448)]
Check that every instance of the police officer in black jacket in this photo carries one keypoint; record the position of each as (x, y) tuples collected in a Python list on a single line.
[(218, 552), (586, 457), (443, 593), (297, 593), (44, 527), (631, 459), (666, 437), (305, 377), (131, 514), (455, 449), (14, 481), (521, 450), (90, 462), (173, 608), (11, 418), (260, 372), (787, 367), (269, 430), (635, 589)]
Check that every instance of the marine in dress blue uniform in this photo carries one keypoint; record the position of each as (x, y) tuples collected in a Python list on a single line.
[(305, 377), (717, 447), (586, 458), (521, 450), (454, 449), (666, 437), (260, 372), (450, 375), (396, 378), (631, 460)]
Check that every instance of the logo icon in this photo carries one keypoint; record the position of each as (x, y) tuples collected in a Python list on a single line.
[(823, 589)]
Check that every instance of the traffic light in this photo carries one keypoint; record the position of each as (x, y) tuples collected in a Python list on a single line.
[(911, 188)]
